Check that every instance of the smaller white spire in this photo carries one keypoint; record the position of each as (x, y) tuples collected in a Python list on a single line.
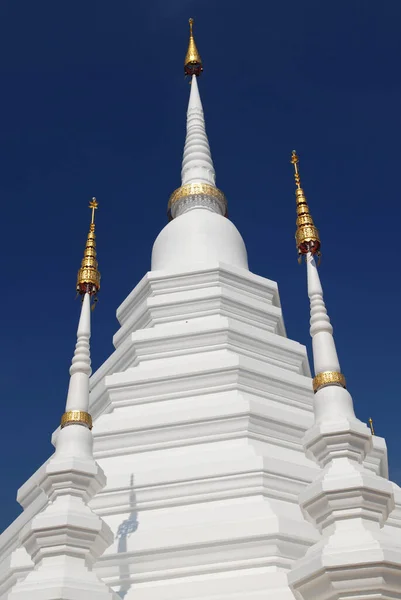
[(197, 164), (66, 538), (327, 366), (346, 502)]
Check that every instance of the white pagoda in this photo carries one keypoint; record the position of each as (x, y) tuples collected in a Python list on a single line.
[(217, 468)]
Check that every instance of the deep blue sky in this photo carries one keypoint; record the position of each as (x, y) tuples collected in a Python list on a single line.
[(93, 102)]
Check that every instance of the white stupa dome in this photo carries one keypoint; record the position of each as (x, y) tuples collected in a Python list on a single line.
[(198, 237)]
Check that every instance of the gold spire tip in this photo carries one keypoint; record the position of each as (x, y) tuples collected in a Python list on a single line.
[(93, 204), (88, 279), (295, 161), (193, 62), (307, 235), (372, 429)]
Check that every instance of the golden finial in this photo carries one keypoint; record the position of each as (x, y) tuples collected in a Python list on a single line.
[(307, 235), (372, 429), (88, 280), (193, 62), (93, 204)]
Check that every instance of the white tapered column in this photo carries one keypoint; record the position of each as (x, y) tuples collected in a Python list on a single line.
[(198, 189), (80, 370), (67, 537), (324, 350), (78, 441), (197, 164), (328, 402)]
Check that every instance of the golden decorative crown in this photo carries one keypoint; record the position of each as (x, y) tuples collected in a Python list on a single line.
[(88, 279), (306, 236)]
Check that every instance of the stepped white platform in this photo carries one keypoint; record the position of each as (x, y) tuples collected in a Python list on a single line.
[(199, 418)]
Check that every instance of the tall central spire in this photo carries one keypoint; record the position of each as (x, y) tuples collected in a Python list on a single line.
[(201, 236), (198, 176)]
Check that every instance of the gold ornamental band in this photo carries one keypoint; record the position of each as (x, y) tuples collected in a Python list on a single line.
[(76, 417), (327, 378), (192, 189), (304, 219), (307, 233), (89, 275)]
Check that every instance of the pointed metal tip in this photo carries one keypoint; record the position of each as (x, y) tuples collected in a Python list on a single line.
[(193, 62)]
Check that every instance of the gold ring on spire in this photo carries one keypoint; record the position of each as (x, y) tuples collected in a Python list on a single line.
[(328, 378), (307, 235), (199, 190), (88, 279), (76, 417), (194, 189), (193, 62)]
